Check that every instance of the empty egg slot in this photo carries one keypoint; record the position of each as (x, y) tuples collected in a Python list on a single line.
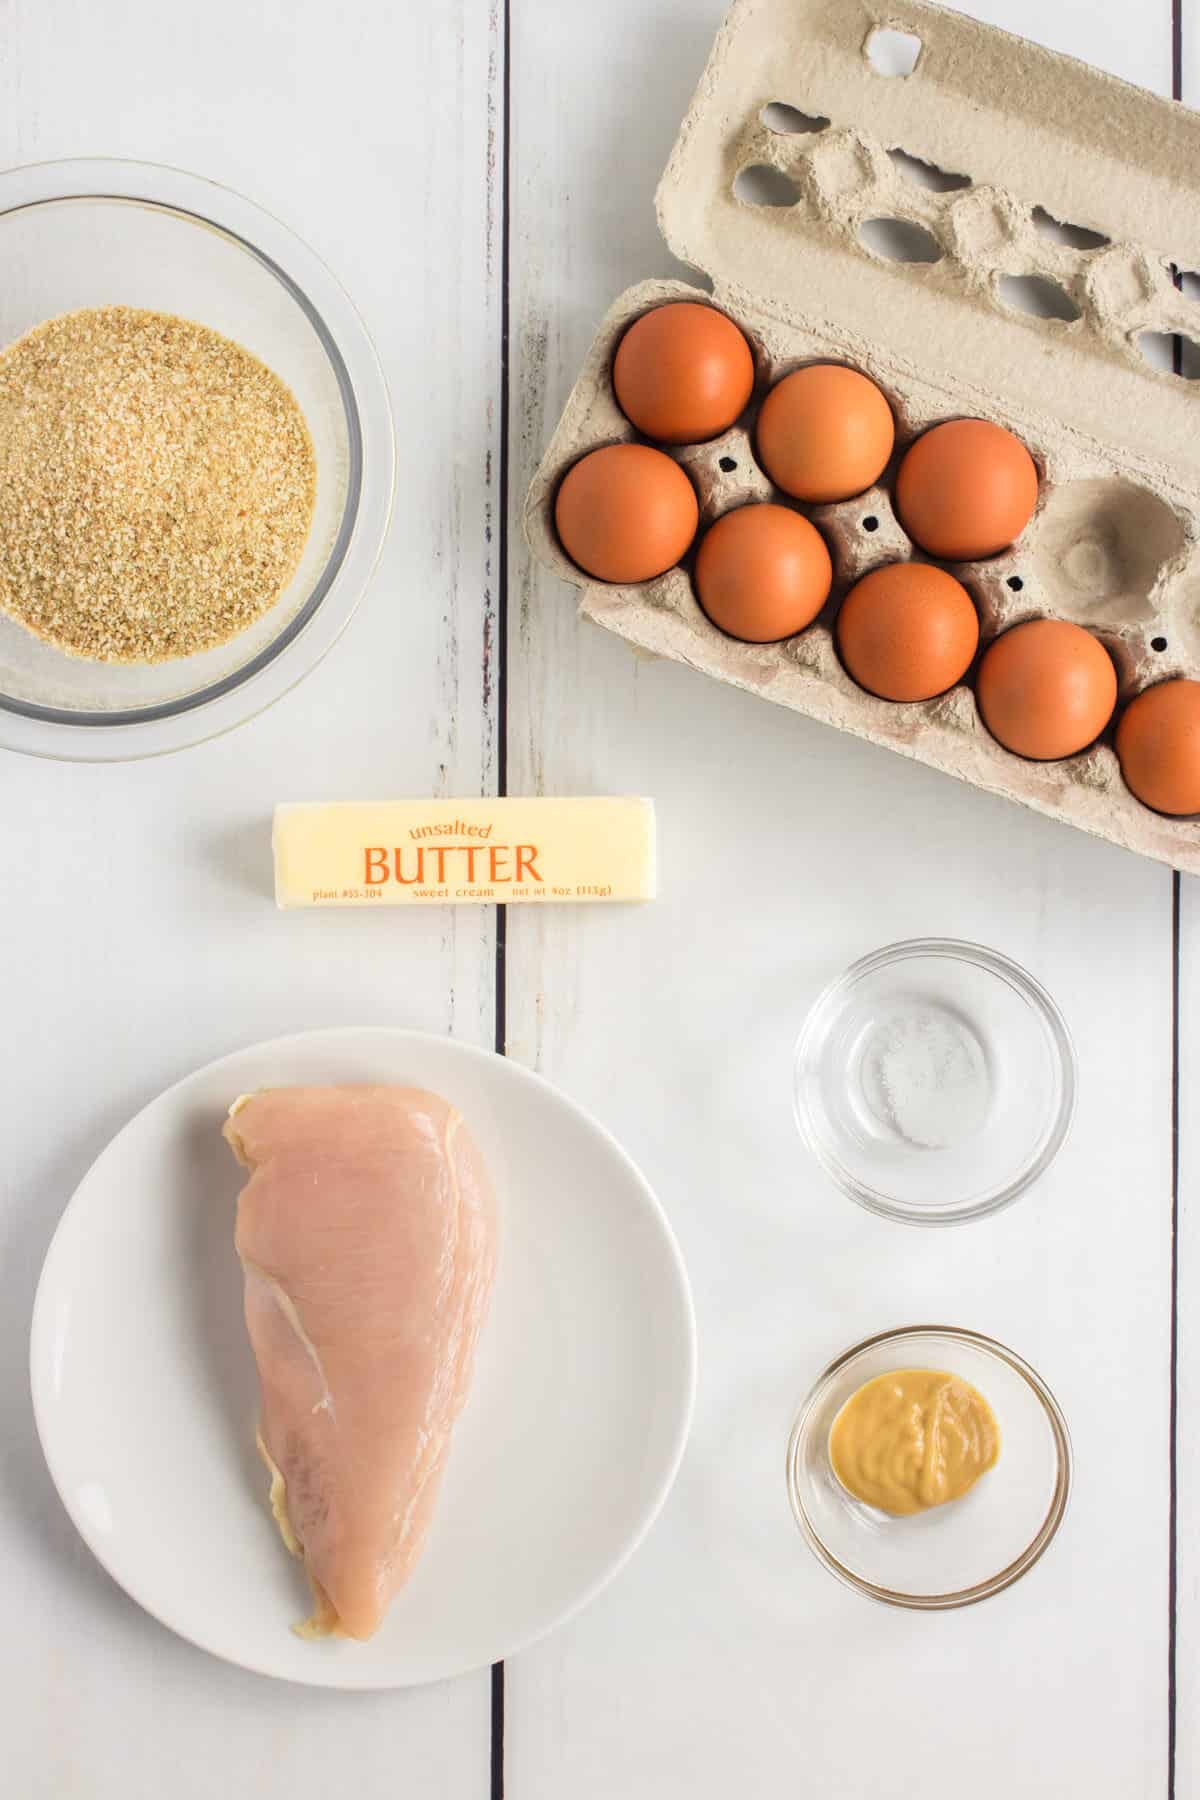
[(1038, 296), (899, 240), (1099, 547), (761, 184), (925, 174), (1062, 231), (789, 121)]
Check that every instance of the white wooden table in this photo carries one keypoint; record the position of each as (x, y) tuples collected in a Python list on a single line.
[(481, 178)]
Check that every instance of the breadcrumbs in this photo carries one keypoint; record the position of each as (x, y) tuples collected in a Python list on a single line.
[(157, 485)]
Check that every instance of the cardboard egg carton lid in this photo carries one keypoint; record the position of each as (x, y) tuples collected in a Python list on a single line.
[(1033, 137), (1008, 166)]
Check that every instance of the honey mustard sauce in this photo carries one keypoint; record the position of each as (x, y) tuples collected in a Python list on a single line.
[(913, 1439)]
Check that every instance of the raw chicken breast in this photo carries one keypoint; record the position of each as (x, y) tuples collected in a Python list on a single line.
[(367, 1234)]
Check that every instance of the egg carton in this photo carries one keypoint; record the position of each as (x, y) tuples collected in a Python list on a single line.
[(894, 190)]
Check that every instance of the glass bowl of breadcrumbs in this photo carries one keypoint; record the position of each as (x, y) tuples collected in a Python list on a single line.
[(196, 459)]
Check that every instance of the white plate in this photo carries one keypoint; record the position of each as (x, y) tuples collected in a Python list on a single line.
[(145, 1391)]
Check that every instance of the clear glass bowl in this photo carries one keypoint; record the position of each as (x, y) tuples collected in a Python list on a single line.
[(934, 1081), (967, 1549), (99, 233)]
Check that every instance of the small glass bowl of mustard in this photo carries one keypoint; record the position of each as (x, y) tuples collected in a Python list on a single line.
[(965, 1549)]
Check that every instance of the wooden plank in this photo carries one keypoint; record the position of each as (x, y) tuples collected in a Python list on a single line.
[(139, 936), (724, 1660)]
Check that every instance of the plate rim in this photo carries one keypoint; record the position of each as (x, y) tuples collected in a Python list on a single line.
[(325, 1677)]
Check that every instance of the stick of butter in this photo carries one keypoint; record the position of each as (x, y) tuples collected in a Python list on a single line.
[(405, 852)]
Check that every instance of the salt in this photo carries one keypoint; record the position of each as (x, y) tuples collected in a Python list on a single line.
[(925, 1075)]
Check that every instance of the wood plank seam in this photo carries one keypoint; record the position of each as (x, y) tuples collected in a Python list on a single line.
[(1173, 1376), (502, 28)]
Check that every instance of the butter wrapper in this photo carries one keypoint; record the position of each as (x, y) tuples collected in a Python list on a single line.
[(450, 852)]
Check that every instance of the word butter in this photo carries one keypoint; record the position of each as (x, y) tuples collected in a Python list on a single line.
[(398, 852)]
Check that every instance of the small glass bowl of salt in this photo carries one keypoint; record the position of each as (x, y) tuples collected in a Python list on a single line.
[(934, 1081)]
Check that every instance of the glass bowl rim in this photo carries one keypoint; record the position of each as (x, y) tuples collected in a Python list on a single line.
[(1039, 1001), (312, 631), (1013, 1570)]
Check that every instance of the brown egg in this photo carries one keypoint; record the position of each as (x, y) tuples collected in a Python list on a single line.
[(626, 513), (762, 573), (907, 631), (683, 373), (966, 489), (824, 433), (1046, 689), (1158, 742)]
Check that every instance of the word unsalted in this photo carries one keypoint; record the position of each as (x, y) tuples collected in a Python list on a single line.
[(401, 852)]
